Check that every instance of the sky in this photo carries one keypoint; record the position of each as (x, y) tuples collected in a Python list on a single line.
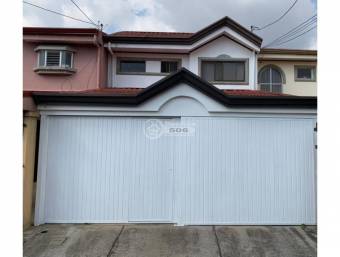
[(179, 15)]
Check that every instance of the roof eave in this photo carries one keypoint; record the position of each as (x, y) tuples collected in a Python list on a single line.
[(185, 76)]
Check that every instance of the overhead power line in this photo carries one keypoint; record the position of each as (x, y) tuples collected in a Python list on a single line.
[(294, 31), (275, 21), (48, 10), (296, 36), (83, 12), (301, 27)]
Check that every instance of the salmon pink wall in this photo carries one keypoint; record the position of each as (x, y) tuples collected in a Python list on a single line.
[(86, 63)]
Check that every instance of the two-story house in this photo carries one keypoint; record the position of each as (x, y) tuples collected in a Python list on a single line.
[(55, 59), (180, 133)]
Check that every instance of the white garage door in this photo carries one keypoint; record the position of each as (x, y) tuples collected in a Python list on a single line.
[(228, 171)]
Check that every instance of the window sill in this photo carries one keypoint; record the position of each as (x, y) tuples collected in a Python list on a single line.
[(143, 73), (305, 80), (54, 71), (228, 83)]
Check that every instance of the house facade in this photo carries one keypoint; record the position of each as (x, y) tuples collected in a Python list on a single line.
[(291, 71), (55, 59), (179, 133)]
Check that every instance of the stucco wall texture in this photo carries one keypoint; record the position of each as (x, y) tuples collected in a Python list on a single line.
[(86, 63), (300, 88)]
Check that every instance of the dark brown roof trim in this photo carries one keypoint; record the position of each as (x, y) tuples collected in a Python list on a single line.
[(217, 37), (264, 59), (226, 21), (59, 31), (183, 75), (288, 51)]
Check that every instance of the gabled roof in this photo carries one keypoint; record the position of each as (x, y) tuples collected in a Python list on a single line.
[(181, 76), (181, 38)]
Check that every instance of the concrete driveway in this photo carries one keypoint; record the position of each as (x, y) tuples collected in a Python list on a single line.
[(106, 240)]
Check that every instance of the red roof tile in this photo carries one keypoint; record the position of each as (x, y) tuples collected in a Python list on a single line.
[(126, 91), (242, 92)]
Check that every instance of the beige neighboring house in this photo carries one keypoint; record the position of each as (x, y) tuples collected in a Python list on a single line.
[(288, 71)]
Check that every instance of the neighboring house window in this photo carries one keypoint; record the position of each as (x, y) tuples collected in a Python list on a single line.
[(305, 73), (55, 59), (131, 66), (270, 79), (223, 71), (169, 66)]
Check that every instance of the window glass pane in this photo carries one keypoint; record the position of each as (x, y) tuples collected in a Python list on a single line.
[(277, 88), (223, 71), (169, 66), (132, 66), (265, 76), (304, 73), (53, 58), (208, 69), (228, 71), (41, 58), (276, 76), (265, 87), (66, 59), (233, 71), (218, 71)]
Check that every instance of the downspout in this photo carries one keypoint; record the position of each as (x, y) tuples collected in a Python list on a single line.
[(255, 71), (109, 66), (95, 42), (110, 49)]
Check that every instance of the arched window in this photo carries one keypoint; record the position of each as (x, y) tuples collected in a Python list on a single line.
[(270, 79)]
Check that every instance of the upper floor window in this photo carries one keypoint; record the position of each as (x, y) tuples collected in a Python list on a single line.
[(305, 73), (132, 66), (270, 79), (224, 71), (55, 59), (169, 66), (147, 66)]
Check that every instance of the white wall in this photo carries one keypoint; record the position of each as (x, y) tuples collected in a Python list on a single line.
[(152, 66), (225, 46), (218, 47)]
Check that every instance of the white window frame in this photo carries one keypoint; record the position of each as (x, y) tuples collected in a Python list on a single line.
[(313, 72), (57, 69), (146, 73), (60, 65), (270, 84), (226, 59)]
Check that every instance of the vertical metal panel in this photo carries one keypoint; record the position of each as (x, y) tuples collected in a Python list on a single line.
[(106, 170), (246, 171), (230, 171)]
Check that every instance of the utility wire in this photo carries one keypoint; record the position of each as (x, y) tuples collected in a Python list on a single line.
[(275, 21), (83, 13), (297, 36), (303, 28), (48, 10), (295, 30)]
